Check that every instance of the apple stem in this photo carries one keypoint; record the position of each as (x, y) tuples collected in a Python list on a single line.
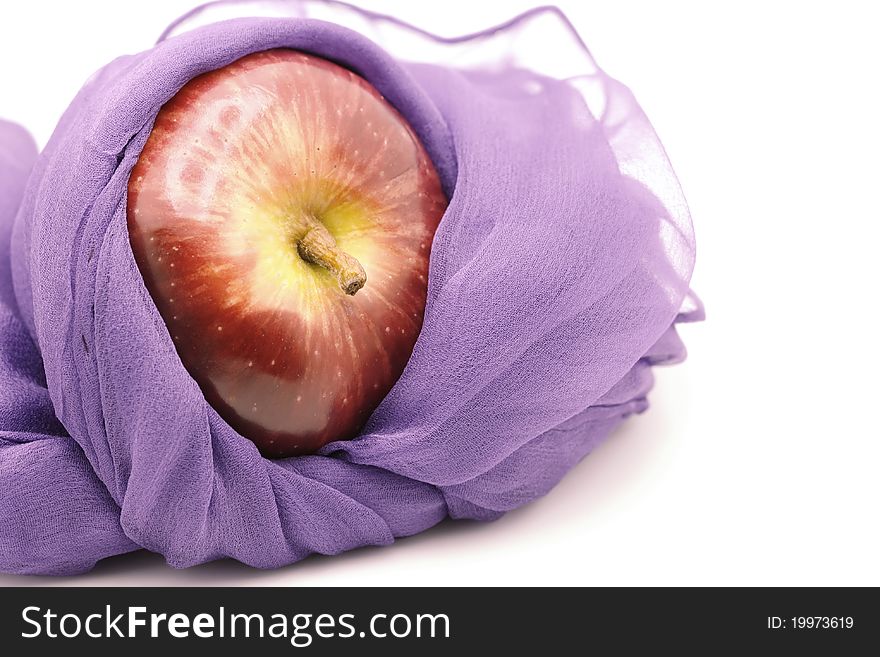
[(319, 247)]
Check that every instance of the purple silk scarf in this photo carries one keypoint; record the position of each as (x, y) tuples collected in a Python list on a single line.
[(557, 276)]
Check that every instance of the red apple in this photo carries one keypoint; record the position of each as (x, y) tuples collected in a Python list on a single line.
[(281, 214)]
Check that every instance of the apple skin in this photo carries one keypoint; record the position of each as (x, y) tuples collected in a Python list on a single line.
[(237, 165)]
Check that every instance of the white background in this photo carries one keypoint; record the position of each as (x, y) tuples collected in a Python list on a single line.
[(758, 462)]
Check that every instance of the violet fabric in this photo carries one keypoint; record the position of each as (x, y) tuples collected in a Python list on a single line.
[(557, 276)]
